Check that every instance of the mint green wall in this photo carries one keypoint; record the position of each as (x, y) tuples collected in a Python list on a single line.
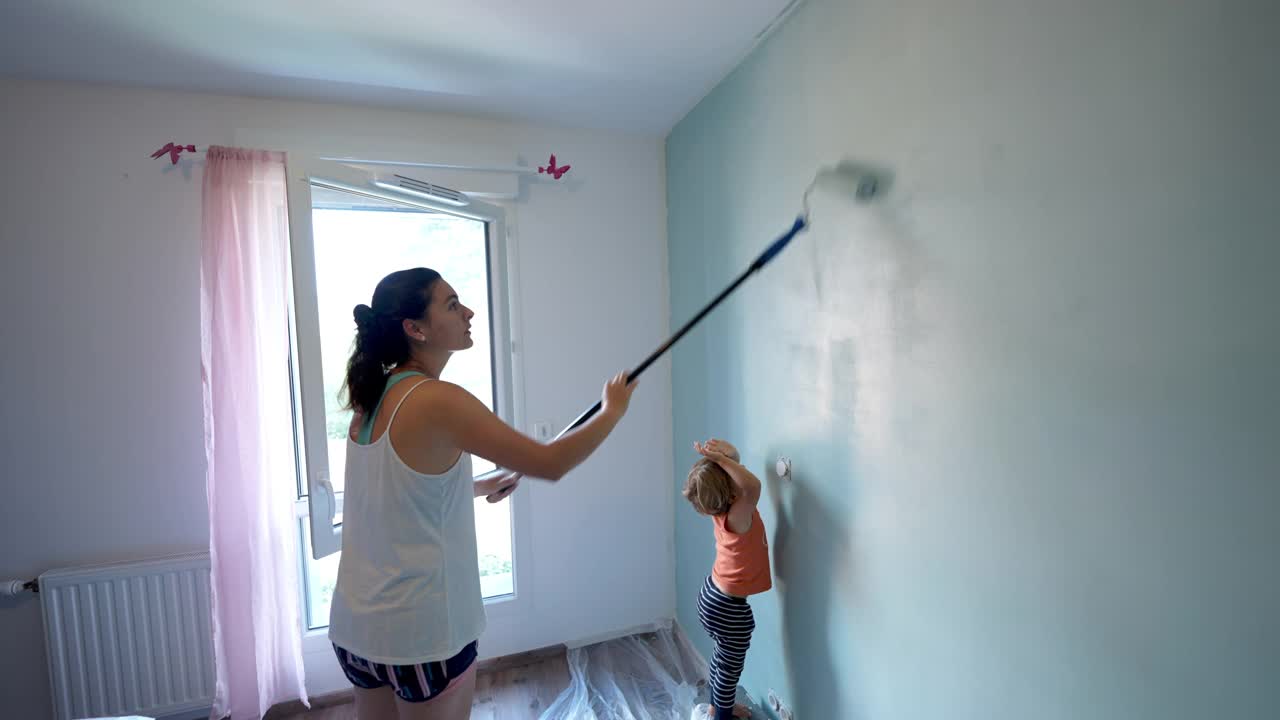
[(1031, 396)]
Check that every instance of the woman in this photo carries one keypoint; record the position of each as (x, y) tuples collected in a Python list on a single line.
[(407, 609)]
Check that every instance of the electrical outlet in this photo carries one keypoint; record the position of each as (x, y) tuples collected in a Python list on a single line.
[(542, 431), (783, 467), (784, 713)]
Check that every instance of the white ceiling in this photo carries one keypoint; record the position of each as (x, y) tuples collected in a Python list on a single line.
[(637, 65)]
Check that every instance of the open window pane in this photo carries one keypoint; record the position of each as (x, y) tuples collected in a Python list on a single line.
[(493, 547), (358, 241), (319, 579)]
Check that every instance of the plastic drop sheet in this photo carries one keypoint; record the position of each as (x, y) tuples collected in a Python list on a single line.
[(650, 676)]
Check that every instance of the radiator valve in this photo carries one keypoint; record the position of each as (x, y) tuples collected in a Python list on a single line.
[(10, 588)]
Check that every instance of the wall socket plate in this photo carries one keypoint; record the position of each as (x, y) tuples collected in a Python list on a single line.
[(783, 467), (784, 713), (542, 431)]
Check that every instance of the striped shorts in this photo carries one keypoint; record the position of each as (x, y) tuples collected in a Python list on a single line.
[(412, 683), (729, 622)]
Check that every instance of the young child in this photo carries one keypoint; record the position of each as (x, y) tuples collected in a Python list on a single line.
[(719, 486)]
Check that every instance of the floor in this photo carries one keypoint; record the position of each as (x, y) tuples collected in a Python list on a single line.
[(505, 692)]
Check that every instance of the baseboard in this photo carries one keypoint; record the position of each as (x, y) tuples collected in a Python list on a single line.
[(520, 659), (663, 624)]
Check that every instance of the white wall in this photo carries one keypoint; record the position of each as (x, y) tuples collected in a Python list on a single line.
[(102, 449)]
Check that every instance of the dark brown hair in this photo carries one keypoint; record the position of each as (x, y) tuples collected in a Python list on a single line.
[(380, 340)]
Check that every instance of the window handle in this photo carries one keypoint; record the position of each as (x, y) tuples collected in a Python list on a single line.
[(322, 479)]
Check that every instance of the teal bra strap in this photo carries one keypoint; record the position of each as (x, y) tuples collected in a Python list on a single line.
[(366, 428)]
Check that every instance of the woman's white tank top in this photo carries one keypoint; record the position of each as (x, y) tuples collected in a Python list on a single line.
[(408, 586)]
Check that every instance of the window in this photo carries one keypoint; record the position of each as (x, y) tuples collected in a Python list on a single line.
[(349, 229)]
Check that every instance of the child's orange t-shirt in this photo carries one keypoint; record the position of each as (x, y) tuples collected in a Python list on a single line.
[(742, 561)]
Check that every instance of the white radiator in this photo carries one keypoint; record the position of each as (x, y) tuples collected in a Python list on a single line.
[(129, 638)]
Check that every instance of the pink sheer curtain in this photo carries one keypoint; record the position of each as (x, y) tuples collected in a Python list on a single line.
[(248, 433)]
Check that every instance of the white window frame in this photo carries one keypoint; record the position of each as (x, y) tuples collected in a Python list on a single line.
[(321, 503)]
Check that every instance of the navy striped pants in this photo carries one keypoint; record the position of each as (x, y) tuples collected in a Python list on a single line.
[(729, 622)]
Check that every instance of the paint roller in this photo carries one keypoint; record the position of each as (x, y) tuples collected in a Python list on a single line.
[(844, 180)]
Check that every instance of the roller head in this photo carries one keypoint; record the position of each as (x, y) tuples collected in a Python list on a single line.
[(852, 180)]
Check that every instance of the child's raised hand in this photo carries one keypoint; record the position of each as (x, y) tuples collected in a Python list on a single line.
[(724, 448), (714, 450)]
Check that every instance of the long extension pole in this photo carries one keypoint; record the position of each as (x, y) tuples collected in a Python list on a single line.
[(769, 254)]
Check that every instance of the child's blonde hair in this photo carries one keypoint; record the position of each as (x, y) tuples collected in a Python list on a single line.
[(708, 488)]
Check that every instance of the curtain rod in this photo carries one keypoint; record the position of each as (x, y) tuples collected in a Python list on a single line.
[(174, 150)]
